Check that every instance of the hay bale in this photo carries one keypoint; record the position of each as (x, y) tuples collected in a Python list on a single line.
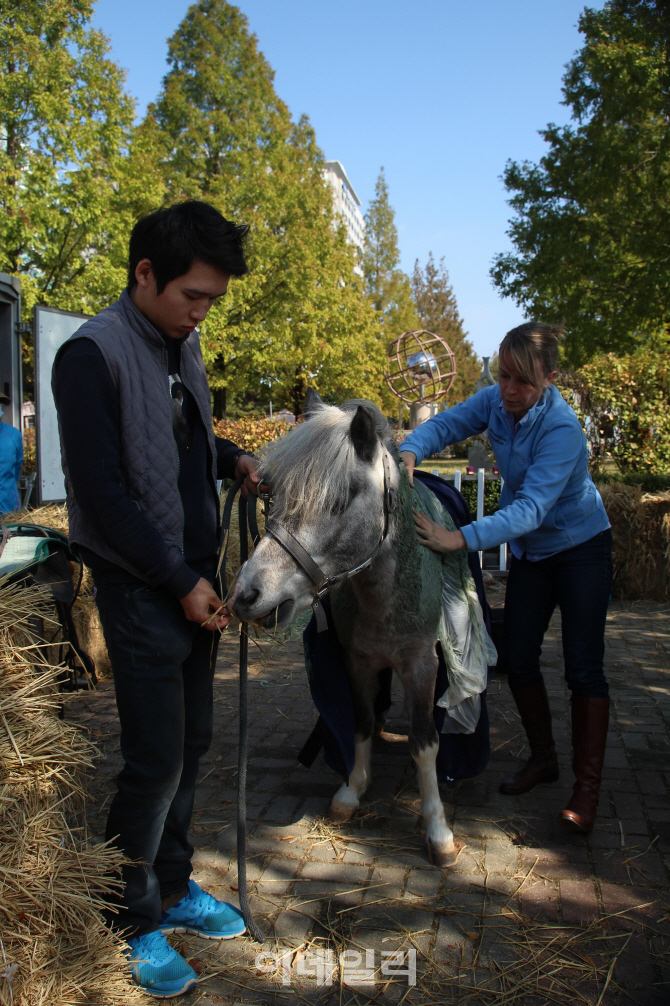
[(52, 515), (641, 542), (56, 949)]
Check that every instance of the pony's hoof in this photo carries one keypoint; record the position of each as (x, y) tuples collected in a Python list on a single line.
[(339, 813), (444, 855), (391, 738)]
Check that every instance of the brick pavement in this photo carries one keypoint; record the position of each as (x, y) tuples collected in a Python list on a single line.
[(368, 885)]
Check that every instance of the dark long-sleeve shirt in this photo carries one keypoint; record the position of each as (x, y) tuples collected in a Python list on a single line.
[(88, 411)]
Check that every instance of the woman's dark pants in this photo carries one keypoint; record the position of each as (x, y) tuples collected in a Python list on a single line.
[(579, 581), (163, 669)]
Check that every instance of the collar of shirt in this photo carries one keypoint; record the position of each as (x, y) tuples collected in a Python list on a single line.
[(513, 427)]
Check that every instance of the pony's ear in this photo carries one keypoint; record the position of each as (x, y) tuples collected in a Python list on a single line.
[(363, 434), (312, 401)]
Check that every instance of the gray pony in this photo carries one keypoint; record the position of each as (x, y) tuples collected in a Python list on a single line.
[(330, 478)]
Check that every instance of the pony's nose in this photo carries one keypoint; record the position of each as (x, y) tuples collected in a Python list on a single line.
[(246, 599)]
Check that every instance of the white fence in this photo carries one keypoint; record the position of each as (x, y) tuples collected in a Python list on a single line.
[(458, 478)]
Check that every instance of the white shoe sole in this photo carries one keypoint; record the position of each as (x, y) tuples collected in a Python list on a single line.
[(167, 995), (192, 931)]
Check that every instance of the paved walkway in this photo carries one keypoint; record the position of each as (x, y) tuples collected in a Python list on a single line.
[(531, 914)]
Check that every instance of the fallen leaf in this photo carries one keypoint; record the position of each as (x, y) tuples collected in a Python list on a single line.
[(472, 936)]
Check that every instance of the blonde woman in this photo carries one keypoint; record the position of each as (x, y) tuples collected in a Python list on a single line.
[(553, 517)]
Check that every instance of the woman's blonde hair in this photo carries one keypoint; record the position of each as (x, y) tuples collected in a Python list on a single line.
[(532, 349)]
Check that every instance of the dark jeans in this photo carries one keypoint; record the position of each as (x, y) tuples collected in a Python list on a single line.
[(579, 581), (163, 671)]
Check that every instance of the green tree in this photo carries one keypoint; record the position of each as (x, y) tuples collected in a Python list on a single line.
[(654, 17), (300, 316), (388, 288), (438, 312), (592, 218), (65, 122), (624, 403)]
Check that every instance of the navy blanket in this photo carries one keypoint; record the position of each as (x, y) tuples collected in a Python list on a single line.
[(460, 756)]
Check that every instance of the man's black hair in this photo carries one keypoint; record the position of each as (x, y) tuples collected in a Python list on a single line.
[(174, 237)]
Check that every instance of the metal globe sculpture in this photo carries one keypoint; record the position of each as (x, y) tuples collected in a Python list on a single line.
[(421, 367)]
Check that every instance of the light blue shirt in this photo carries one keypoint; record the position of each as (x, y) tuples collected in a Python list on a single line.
[(549, 502), (11, 460)]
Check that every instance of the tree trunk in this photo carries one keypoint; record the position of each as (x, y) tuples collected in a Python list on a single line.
[(299, 392), (219, 397)]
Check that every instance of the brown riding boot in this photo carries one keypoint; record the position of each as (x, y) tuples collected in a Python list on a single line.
[(590, 719), (542, 766)]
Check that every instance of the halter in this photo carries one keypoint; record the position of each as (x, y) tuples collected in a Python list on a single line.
[(303, 559)]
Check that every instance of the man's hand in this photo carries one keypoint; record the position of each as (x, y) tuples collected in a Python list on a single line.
[(248, 466), (203, 605), (435, 537), (409, 460)]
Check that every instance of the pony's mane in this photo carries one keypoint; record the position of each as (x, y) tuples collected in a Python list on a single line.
[(311, 467)]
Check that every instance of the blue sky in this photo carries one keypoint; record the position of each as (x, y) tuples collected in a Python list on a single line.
[(441, 93)]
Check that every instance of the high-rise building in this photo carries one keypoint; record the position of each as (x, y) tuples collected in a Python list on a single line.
[(346, 202)]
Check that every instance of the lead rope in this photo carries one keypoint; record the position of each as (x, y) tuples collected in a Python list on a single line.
[(244, 507)]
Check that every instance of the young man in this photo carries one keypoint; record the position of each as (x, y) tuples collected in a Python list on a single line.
[(141, 463)]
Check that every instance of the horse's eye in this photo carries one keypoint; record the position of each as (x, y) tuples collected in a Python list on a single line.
[(343, 505)]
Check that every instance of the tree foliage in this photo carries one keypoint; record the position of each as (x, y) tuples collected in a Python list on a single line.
[(388, 288), (300, 316), (250, 432), (76, 173), (65, 122), (592, 218), (437, 309), (624, 403)]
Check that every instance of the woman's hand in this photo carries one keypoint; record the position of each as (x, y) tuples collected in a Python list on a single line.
[(435, 537), (409, 461)]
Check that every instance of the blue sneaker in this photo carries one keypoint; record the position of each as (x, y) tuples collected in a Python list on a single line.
[(157, 968), (200, 914)]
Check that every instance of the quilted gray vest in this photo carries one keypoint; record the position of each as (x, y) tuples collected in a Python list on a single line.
[(136, 358)]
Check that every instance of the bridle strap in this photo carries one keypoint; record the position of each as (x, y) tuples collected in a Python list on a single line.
[(298, 553), (304, 560)]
